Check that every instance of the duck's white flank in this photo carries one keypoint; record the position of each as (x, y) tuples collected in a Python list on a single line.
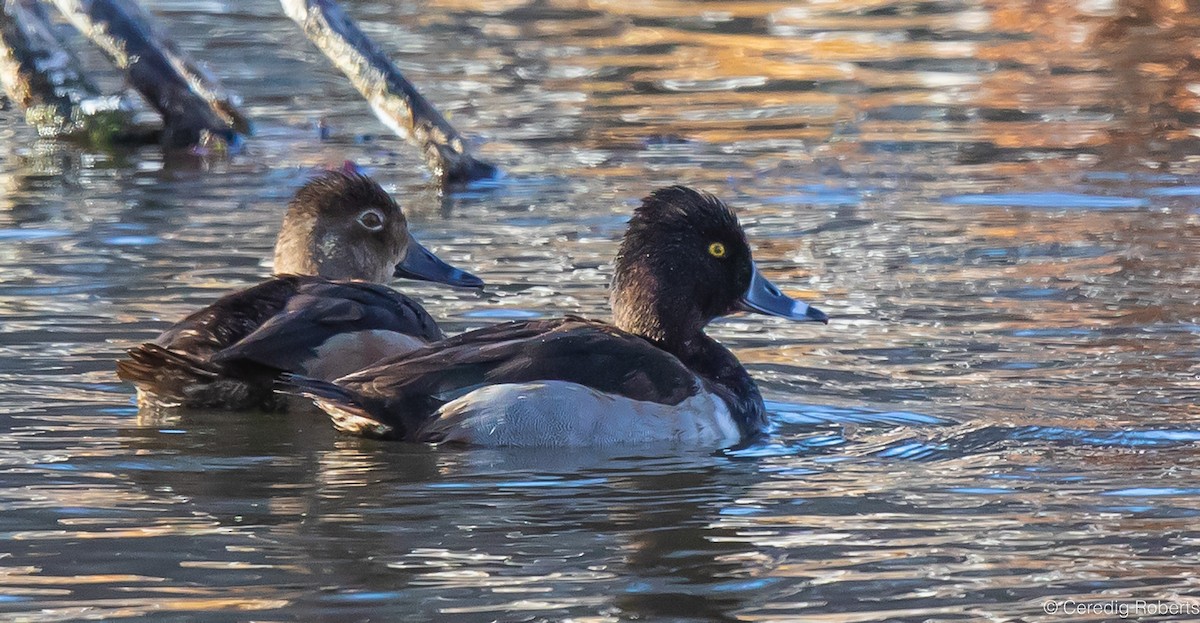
[(564, 414), (350, 352)]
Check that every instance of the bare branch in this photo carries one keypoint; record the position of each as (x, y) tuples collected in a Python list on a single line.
[(392, 97)]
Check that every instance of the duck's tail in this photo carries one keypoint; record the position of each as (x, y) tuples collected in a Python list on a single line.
[(169, 378), (344, 407), (164, 376)]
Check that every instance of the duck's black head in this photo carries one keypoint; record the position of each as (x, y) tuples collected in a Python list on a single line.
[(685, 261), (344, 225)]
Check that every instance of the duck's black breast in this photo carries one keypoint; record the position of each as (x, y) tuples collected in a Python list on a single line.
[(407, 391), (725, 376)]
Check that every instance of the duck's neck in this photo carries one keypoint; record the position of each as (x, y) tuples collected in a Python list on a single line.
[(327, 257), (294, 251), (713, 363)]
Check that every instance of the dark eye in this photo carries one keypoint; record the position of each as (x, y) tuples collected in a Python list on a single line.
[(371, 219), (716, 249)]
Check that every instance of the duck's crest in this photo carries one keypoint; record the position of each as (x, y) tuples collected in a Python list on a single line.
[(682, 202), (345, 186)]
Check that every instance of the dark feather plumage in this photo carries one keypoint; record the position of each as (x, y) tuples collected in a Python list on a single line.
[(684, 261), (405, 392), (228, 354), (320, 310), (326, 315)]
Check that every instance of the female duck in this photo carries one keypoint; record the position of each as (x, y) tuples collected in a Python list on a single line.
[(654, 377), (321, 315)]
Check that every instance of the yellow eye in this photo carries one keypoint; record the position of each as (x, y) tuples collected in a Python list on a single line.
[(716, 249)]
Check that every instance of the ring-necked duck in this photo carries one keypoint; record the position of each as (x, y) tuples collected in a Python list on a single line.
[(320, 315), (653, 377)]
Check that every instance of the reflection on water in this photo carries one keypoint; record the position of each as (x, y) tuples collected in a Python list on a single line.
[(997, 201)]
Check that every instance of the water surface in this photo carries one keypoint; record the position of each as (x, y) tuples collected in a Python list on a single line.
[(996, 201)]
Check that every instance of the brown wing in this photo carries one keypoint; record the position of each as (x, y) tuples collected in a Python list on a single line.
[(404, 393), (322, 310), (231, 318)]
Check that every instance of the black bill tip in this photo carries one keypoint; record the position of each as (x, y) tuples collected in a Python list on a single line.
[(420, 263)]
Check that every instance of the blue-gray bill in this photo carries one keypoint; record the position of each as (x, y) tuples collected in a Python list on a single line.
[(764, 298), (421, 264)]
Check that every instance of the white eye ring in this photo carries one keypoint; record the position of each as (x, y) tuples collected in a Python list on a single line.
[(372, 220)]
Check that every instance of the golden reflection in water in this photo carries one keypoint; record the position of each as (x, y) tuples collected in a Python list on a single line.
[(1106, 79), (109, 609)]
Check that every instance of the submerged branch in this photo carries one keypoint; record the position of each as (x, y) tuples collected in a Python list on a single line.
[(392, 97), (41, 76), (192, 103)]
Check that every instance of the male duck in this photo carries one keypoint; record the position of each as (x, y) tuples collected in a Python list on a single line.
[(653, 377), (321, 315)]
